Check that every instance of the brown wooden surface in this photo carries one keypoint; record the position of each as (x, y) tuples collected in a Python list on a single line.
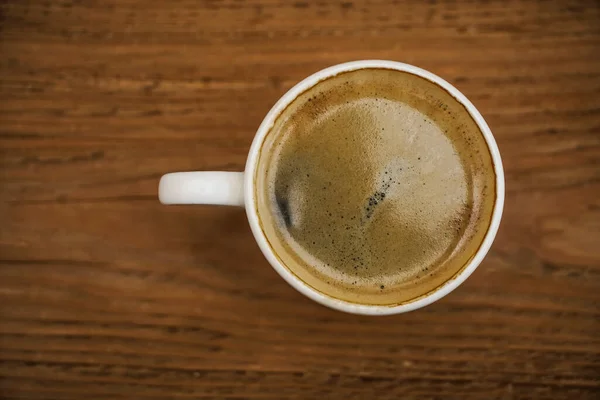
[(106, 294)]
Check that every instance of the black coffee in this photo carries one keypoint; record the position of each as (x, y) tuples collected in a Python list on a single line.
[(375, 186)]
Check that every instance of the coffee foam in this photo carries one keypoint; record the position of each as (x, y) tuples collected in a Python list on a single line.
[(375, 186)]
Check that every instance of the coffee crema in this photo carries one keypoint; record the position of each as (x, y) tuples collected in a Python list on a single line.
[(375, 186)]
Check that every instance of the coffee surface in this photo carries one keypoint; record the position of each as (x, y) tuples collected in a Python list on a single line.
[(375, 186)]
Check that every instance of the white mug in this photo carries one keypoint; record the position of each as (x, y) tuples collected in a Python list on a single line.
[(238, 189)]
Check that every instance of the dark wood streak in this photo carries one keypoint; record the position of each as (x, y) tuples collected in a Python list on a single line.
[(66, 200), (106, 294)]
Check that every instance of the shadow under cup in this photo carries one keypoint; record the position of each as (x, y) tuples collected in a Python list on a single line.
[(390, 187)]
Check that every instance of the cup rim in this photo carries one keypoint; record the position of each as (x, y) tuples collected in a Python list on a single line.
[(314, 294)]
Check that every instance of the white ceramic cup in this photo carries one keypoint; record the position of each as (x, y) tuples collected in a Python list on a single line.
[(237, 189)]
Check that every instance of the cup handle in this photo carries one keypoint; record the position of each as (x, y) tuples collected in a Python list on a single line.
[(206, 187)]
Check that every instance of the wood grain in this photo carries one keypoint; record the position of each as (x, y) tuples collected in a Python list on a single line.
[(106, 294)]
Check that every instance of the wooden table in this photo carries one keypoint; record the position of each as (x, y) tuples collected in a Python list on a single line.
[(106, 294)]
